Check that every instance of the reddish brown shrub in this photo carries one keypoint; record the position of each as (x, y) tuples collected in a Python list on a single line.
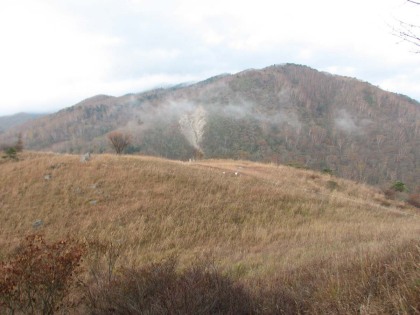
[(414, 200), (390, 194), (38, 277)]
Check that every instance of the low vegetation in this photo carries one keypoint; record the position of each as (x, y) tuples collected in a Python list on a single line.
[(38, 276), (212, 236)]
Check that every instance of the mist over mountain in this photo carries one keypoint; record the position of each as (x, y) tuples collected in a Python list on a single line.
[(287, 114)]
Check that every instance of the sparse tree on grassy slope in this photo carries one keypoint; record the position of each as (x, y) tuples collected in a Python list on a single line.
[(119, 140), (19, 143)]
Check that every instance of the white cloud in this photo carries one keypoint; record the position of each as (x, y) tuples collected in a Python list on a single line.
[(44, 54), (55, 53), (403, 82)]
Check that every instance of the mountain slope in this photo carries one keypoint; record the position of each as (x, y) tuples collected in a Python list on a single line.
[(303, 238), (7, 122), (285, 114)]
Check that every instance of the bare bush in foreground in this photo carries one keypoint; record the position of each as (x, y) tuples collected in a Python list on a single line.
[(38, 277)]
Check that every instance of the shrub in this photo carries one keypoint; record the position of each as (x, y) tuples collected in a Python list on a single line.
[(399, 186), (297, 165), (119, 141), (327, 171), (390, 194), (332, 185), (380, 283), (38, 277), (102, 258), (19, 143), (414, 200), (11, 153), (160, 289)]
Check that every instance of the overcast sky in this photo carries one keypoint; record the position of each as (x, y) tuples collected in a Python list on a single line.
[(54, 54)]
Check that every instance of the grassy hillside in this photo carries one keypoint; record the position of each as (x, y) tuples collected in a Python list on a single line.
[(259, 222)]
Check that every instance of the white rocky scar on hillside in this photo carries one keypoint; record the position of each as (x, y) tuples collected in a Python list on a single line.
[(192, 126)]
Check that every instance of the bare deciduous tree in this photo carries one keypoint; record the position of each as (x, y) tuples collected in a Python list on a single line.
[(119, 140), (409, 32)]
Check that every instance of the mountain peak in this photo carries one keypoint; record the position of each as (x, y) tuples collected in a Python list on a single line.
[(290, 114)]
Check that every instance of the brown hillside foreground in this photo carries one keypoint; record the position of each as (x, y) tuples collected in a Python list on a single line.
[(265, 222)]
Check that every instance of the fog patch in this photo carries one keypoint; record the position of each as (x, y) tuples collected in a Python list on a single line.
[(238, 110), (283, 117), (345, 122), (246, 109), (192, 116), (150, 114)]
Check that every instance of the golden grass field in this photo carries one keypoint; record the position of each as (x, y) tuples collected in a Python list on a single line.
[(266, 222)]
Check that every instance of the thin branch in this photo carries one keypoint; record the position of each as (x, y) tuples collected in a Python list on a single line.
[(408, 25), (409, 36), (408, 32)]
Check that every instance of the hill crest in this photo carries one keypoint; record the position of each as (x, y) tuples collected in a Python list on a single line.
[(287, 114)]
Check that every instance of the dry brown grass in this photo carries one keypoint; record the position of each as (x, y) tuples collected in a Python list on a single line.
[(265, 222), (265, 217)]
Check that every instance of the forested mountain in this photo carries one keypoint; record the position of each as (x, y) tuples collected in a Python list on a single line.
[(7, 122), (287, 114)]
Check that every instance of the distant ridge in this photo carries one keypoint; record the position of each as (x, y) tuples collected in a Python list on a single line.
[(289, 114), (10, 121)]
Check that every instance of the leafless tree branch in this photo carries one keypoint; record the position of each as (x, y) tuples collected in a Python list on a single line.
[(408, 32)]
